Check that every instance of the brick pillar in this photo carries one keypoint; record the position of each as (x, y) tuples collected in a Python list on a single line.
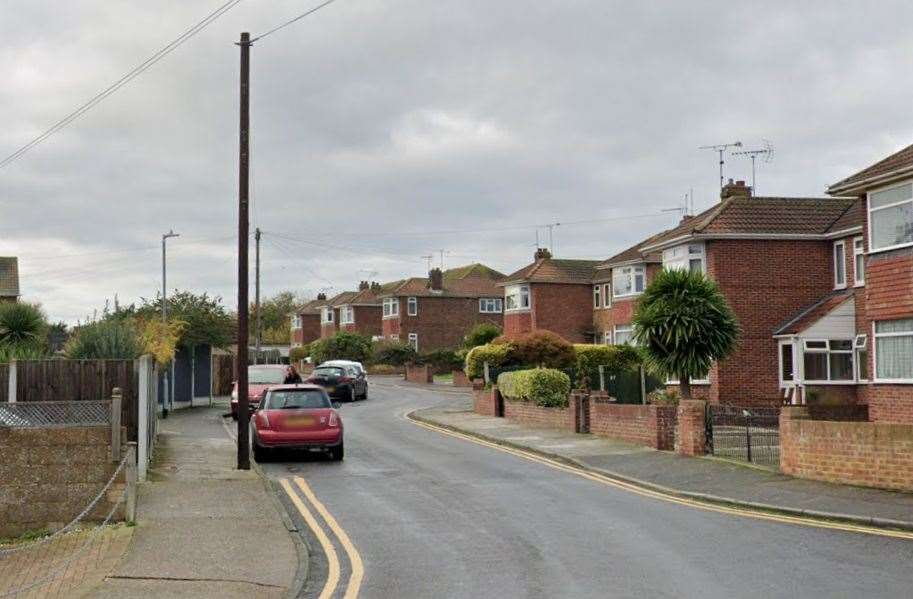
[(580, 411), (789, 446), (692, 436)]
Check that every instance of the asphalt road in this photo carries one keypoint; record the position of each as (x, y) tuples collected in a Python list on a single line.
[(436, 516)]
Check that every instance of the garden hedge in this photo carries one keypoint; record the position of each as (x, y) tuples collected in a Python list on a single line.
[(495, 355), (545, 387)]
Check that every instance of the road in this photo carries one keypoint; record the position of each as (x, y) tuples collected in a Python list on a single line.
[(430, 515)]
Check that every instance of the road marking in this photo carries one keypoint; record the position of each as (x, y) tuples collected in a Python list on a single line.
[(606, 480), (358, 570), (333, 574)]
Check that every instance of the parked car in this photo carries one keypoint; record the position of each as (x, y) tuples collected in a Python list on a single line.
[(356, 365), (297, 417), (340, 382), (259, 379)]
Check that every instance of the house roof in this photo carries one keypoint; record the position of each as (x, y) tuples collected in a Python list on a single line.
[(902, 159), (554, 270), (810, 314), (472, 280), (759, 216), (852, 217), (633, 253), (311, 307), (371, 296), (9, 276)]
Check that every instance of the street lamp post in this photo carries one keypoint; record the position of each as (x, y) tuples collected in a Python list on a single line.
[(168, 397)]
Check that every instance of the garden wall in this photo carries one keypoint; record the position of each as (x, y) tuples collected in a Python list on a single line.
[(484, 401), (526, 412), (460, 379), (649, 425), (870, 454), (419, 374)]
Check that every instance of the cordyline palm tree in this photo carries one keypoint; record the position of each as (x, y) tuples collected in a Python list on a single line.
[(684, 324), (22, 325)]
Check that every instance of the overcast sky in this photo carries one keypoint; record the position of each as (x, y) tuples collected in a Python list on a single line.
[(376, 123)]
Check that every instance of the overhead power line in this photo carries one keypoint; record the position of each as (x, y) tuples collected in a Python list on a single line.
[(124, 80), (290, 21)]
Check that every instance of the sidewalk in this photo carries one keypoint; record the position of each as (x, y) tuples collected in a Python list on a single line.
[(703, 478), (204, 529)]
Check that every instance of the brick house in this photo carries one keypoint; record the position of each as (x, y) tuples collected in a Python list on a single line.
[(9, 279), (305, 322), (362, 313), (436, 312), (879, 270), (329, 313), (550, 294)]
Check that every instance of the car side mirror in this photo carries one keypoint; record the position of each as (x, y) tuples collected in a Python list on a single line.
[(336, 405)]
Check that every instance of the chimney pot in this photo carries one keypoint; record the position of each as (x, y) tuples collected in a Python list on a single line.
[(542, 254), (362, 285), (736, 189), (321, 296), (436, 279)]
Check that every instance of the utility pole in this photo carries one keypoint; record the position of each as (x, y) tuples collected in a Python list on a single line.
[(259, 332), (167, 397), (243, 232)]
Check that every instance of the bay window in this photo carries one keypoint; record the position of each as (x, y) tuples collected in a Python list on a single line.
[(860, 346), (391, 307), (828, 360), (490, 305), (516, 297), (787, 366), (894, 350), (688, 256), (628, 281), (839, 265), (859, 261), (891, 217), (347, 315)]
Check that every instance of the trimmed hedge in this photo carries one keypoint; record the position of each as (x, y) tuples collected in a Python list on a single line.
[(495, 355), (545, 387)]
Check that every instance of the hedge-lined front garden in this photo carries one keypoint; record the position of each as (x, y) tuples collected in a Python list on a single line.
[(545, 387)]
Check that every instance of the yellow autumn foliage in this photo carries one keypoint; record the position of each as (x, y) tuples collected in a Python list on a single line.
[(160, 339)]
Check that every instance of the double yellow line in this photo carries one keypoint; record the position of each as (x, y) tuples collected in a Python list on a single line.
[(667, 497), (334, 569)]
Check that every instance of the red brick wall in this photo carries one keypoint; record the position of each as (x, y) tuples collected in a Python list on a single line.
[(390, 327), (691, 433), (367, 321), (419, 374), (889, 285), (858, 453), (526, 412), (460, 379), (564, 309), (517, 323), (442, 322), (309, 331), (890, 403), (652, 426), (484, 400)]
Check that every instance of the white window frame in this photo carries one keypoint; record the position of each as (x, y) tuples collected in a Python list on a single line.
[(520, 291), (827, 351), (795, 367), (630, 273), (412, 306), (491, 305), (872, 248), (391, 307), (860, 344), (875, 336), (296, 322), (347, 315), (625, 328), (326, 315), (413, 340), (838, 255), (607, 337), (607, 294), (680, 256), (597, 297), (858, 252)]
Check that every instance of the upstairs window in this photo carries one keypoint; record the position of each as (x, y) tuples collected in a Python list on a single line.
[(391, 307), (296, 322), (689, 256), (516, 297), (597, 296), (891, 217), (607, 295), (894, 350), (839, 265), (326, 315), (628, 281), (347, 315), (412, 306), (859, 261), (491, 305)]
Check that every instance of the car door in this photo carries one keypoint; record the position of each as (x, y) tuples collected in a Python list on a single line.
[(359, 380)]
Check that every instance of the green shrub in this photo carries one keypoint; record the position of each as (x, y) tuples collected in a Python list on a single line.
[(443, 360), (545, 387), (663, 397), (296, 354), (114, 339), (342, 346), (495, 355), (393, 353), (481, 334), (543, 349), (614, 358), (22, 324)]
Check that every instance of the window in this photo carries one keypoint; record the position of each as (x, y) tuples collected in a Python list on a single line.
[(491, 305), (828, 360), (391, 307), (326, 315), (597, 296), (689, 256), (839, 265), (607, 337), (894, 350), (412, 305), (607, 295), (296, 321), (516, 297), (624, 335), (786, 362), (413, 340), (394, 337), (860, 345), (891, 217), (347, 315), (627, 281), (858, 262)]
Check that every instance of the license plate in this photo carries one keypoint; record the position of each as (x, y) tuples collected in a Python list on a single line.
[(300, 422)]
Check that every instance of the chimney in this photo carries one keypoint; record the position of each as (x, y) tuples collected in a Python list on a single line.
[(436, 279), (542, 254), (362, 285), (375, 286), (321, 296), (737, 189)]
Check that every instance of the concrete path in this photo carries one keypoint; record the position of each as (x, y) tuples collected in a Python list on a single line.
[(204, 529), (696, 476)]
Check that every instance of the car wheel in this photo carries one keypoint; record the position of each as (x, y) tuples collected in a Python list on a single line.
[(352, 396), (337, 453), (365, 394), (234, 415), (261, 454)]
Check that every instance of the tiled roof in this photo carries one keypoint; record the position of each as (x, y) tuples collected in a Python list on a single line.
[(311, 307), (473, 270), (372, 296), (473, 280), (811, 314), (761, 216), (553, 270), (9, 276), (897, 160), (634, 253), (854, 216)]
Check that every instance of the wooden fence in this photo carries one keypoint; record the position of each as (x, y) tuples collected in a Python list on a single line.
[(223, 373)]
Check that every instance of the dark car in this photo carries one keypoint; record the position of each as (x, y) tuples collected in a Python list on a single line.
[(340, 382), (259, 379), (297, 417)]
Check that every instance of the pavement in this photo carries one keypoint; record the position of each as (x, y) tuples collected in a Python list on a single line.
[(434, 515), (705, 478), (204, 529)]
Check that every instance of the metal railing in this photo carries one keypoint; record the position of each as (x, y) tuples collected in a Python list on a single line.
[(751, 434)]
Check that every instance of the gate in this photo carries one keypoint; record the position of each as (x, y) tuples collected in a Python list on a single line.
[(742, 433)]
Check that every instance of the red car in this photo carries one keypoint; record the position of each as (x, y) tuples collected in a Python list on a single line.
[(297, 417), (259, 379)]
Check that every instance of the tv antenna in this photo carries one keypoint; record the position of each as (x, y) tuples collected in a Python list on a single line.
[(428, 259), (721, 148), (766, 154)]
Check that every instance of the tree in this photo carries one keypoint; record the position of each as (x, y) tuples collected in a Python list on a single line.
[(22, 324), (206, 321), (111, 339), (274, 315), (684, 323), (394, 353), (342, 346), (481, 334)]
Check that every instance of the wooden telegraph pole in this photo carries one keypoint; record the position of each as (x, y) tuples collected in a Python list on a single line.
[(243, 231)]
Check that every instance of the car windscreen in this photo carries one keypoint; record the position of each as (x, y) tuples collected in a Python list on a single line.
[(328, 371), (296, 399), (260, 376)]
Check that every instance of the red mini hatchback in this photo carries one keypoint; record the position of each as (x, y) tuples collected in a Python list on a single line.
[(297, 417)]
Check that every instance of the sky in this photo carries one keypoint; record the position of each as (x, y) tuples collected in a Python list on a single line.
[(385, 131)]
